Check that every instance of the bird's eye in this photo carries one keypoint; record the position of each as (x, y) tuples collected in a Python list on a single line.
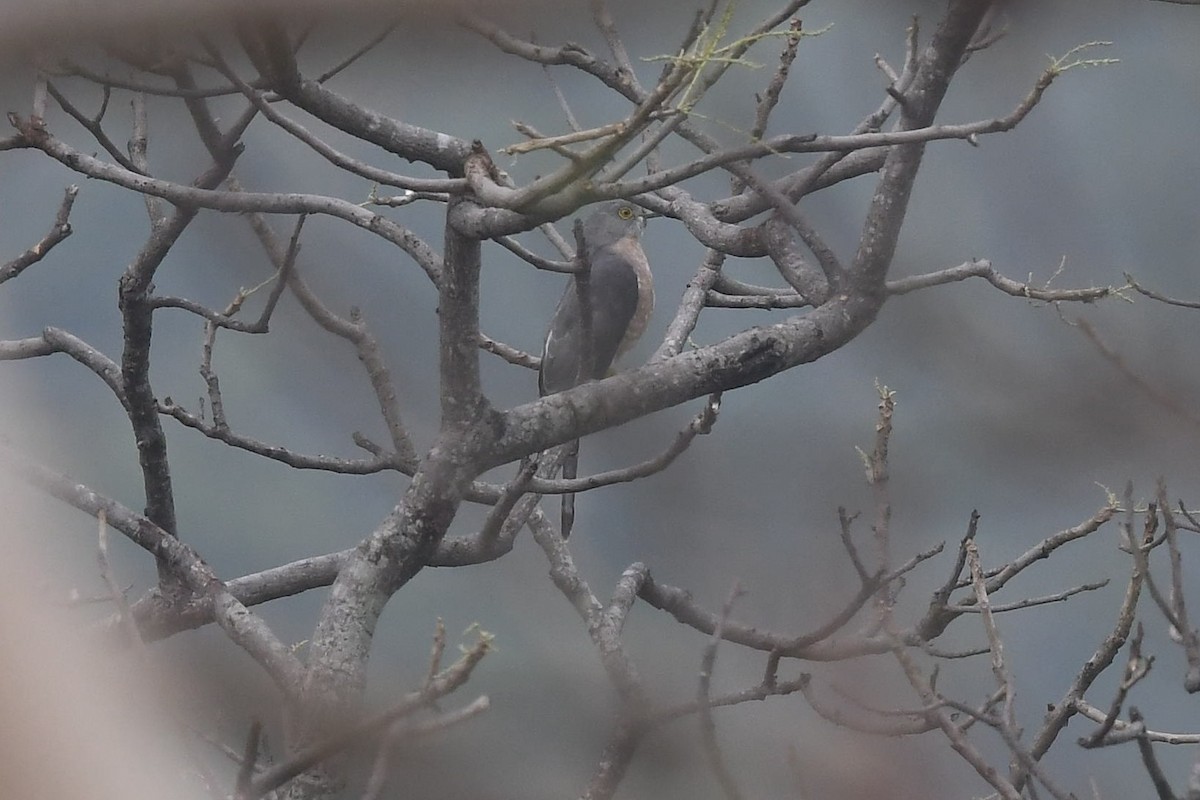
[(625, 212)]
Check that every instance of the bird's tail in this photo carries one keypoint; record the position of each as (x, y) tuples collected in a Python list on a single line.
[(570, 470)]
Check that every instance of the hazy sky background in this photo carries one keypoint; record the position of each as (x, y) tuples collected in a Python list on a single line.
[(1002, 406)]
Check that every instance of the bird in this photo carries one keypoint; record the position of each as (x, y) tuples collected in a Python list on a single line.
[(618, 291)]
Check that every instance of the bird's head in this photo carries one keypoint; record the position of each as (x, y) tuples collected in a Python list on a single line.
[(613, 220)]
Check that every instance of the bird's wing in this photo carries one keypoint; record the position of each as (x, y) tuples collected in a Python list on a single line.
[(614, 299), (560, 364), (613, 278)]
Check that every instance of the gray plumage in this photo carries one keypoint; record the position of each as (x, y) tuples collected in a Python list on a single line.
[(621, 293), (620, 298)]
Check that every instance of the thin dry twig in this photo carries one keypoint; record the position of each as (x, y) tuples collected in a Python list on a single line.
[(874, 721), (1020, 753), (936, 709), (249, 760), (367, 46), (1157, 777), (1162, 298), (982, 268), (878, 478), (94, 124), (845, 521), (513, 491), (818, 646), (603, 630), (770, 98), (403, 730), (1185, 634), (1156, 395), (59, 230), (708, 727), (1000, 668), (1030, 602), (1136, 668), (700, 425), (116, 594), (446, 682), (1059, 714)]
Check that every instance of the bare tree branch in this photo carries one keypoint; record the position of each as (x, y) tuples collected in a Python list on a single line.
[(60, 230), (246, 630)]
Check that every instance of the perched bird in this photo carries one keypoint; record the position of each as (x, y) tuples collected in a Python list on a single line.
[(618, 291)]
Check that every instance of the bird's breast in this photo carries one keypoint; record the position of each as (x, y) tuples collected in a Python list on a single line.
[(631, 252)]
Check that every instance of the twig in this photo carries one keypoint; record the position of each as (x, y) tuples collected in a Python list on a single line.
[(402, 730), (530, 257), (115, 593), (1161, 785), (1131, 730), (541, 142), (1000, 669), (1162, 298), (346, 466), (690, 306), (1136, 668), (935, 709), (355, 330), (770, 98), (1187, 635), (845, 520), (60, 230), (436, 652), (447, 681), (603, 632), (518, 358), (708, 728), (877, 477), (981, 268), (512, 493), (367, 47), (1044, 548), (781, 300), (78, 70), (897, 723), (1030, 602), (93, 124), (249, 760), (679, 604), (242, 626), (325, 150), (202, 197), (572, 123), (1156, 395), (700, 425), (1058, 715), (1021, 755)]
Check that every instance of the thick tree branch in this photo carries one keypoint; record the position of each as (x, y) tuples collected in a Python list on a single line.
[(268, 46)]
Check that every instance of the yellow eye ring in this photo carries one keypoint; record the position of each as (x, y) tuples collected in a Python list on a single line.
[(625, 212)]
